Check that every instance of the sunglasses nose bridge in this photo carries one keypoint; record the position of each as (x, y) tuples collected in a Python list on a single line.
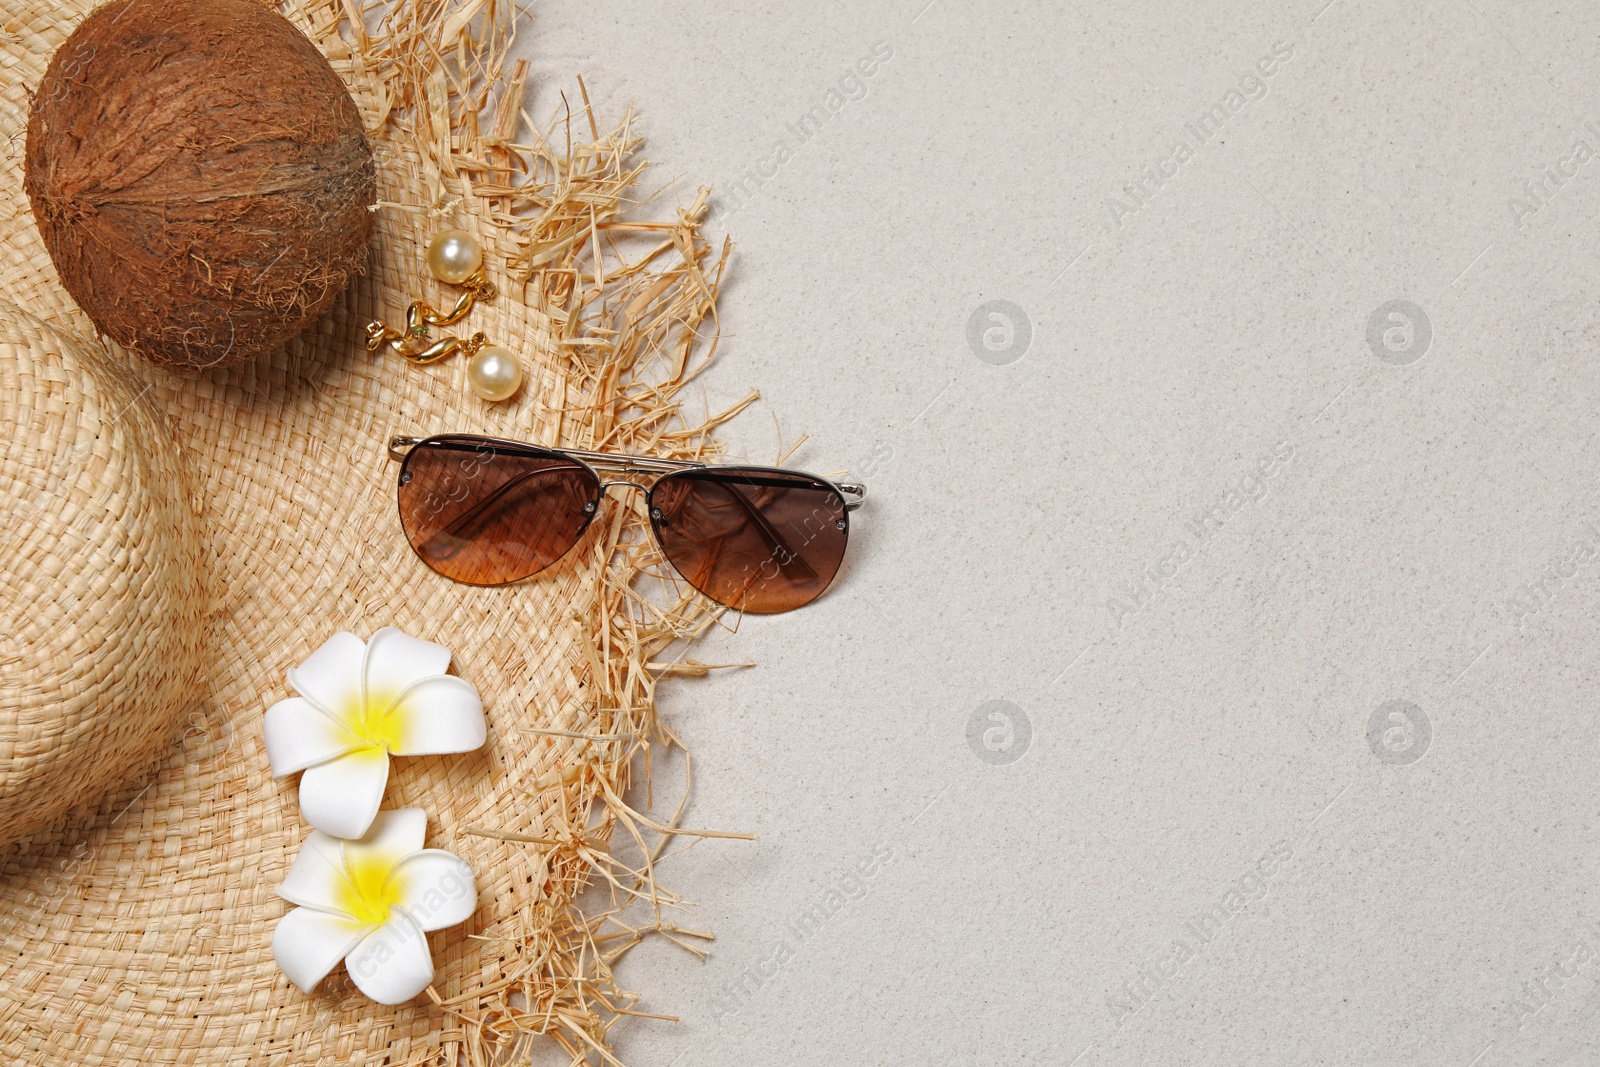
[(605, 487)]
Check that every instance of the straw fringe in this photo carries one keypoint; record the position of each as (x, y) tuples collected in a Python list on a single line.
[(144, 924)]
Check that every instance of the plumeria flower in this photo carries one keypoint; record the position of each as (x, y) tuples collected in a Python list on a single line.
[(371, 903), (361, 702)]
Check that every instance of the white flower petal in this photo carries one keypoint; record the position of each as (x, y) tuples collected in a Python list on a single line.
[(317, 878), (393, 836), (341, 797), (299, 735), (435, 888), (392, 964), (308, 944), (331, 676), (438, 714), (395, 660)]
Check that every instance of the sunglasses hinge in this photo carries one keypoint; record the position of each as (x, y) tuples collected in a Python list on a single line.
[(400, 446)]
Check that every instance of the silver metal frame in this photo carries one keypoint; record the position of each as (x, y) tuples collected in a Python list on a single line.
[(854, 494)]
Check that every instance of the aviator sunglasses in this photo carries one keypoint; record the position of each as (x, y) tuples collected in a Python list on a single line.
[(487, 512)]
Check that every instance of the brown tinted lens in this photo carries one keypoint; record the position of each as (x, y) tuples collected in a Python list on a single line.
[(759, 540), (488, 512)]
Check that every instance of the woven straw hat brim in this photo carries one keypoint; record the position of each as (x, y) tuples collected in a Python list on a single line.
[(101, 568), (137, 929)]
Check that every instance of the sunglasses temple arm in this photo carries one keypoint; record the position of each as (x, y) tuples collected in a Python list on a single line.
[(849, 490), (471, 514), (775, 540)]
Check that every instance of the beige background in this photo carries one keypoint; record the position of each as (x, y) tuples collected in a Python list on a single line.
[(1421, 533)]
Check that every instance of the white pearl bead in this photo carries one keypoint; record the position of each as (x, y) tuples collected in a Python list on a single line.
[(494, 372), (453, 255)]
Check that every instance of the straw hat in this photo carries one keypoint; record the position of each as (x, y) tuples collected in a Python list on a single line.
[(137, 926)]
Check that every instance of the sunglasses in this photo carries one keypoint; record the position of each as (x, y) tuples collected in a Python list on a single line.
[(487, 512)]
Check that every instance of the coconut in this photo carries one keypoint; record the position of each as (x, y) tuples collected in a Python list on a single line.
[(200, 176)]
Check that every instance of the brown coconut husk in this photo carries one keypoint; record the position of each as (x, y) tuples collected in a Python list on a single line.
[(200, 176)]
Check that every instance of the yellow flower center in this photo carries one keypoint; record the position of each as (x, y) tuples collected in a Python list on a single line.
[(375, 722), (371, 891)]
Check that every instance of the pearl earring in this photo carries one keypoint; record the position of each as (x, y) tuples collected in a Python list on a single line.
[(456, 258)]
